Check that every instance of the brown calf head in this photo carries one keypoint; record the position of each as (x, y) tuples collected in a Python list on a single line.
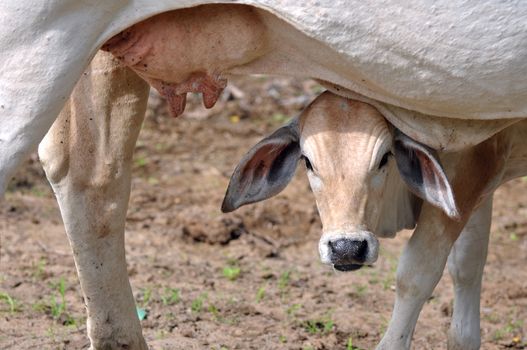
[(367, 177)]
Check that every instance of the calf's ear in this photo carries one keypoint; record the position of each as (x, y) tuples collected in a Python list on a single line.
[(422, 171), (265, 170)]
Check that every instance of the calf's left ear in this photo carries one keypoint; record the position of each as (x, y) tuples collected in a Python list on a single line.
[(422, 171), (265, 170)]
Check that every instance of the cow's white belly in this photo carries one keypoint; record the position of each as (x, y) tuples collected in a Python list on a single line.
[(453, 59)]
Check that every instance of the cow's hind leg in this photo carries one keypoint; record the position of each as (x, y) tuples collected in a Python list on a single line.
[(87, 157), (465, 264)]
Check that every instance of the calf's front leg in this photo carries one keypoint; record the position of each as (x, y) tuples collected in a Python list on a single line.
[(87, 157), (475, 172), (420, 269), (465, 264)]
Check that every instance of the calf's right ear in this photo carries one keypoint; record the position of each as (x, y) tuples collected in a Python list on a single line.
[(265, 170)]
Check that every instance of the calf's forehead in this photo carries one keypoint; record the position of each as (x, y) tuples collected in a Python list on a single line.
[(336, 126)]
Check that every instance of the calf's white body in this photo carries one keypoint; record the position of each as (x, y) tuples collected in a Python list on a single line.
[(371, 180)]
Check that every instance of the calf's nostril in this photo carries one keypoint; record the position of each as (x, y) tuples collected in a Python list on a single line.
[(347, 251)]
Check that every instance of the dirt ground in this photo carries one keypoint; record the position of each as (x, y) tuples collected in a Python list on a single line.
[(247, 280)]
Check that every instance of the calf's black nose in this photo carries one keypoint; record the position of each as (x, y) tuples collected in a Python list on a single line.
[(347, 251)]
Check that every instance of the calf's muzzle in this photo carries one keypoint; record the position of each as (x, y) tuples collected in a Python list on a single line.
[(346, 251)]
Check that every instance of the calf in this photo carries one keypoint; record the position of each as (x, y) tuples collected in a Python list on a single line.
[(370, 180)]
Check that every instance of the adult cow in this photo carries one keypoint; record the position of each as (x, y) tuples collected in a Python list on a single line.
[(370, 180), (412, 61)]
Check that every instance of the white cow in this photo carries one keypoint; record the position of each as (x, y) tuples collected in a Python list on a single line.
[(370, 180), (416, 63)]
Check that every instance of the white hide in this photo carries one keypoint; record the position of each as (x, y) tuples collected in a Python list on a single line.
[(456, 59), (443, 134)]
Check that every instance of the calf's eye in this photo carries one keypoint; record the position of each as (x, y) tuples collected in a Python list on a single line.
[(384, 159), (308, 163)]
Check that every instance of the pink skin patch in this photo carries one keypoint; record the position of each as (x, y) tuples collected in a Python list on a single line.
[(125, 46), (210, 87), (176, 102), (185, 50)]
